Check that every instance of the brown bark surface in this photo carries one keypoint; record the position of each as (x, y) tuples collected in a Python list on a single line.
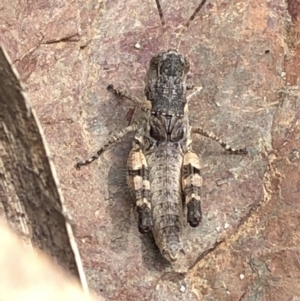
[(244, 55), (29, 190)]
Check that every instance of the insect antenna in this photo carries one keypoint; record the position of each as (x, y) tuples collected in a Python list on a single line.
[(160, 12), (185, 26), (191, 19), (193, 16), (163, 23)]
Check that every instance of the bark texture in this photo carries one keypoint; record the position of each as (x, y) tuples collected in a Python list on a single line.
[(29, 190)]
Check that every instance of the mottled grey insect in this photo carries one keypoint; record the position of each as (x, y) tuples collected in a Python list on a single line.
[(163, 171)]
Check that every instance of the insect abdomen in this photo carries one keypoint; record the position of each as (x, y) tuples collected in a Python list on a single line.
[(166, 199)]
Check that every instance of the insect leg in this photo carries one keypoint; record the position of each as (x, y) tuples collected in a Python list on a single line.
[(122, 93), (138, 182), (112, 139), (191, 183), (211, 135), (144, 105)]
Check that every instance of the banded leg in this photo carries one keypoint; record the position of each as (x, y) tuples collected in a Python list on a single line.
[(122, 93), (145, 105), (191, 183), (196, 90), (138, 182), (112, 139), (201, 131)]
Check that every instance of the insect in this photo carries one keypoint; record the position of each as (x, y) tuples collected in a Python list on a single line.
[(163, 171)]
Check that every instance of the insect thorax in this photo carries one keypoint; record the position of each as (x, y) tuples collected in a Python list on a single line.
[(166, 83)]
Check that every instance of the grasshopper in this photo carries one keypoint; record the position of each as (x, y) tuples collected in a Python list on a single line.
[(163, 171)]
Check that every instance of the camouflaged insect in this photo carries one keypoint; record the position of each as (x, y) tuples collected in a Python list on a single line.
[(163, 171)]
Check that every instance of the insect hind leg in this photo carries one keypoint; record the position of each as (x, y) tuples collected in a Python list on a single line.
[(191, 184), (138, 182)]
